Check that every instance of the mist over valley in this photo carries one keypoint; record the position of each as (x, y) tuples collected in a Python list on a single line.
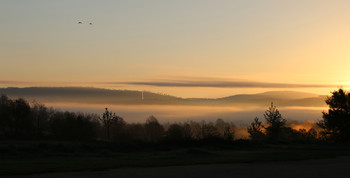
[(136, 106)]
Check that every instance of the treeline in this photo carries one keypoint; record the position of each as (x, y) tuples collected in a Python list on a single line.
[(276, 130), (20, 120), (334, 126)]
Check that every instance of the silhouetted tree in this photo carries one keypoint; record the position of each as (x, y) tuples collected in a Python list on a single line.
[(86, 126), (40, 115), (134, 132), (154, 131), (107, 120), (225, 129), (175, 133), (276, 124), (312, 134), (255, 130), (6, 121), (209, 131), (336, 123), (118, 131), (23, 125), (187, 133), (72, 126), (196, 130), (303, 135), (16, 119)]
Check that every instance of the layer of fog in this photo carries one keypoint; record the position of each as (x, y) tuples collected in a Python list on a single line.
[(166, 113)]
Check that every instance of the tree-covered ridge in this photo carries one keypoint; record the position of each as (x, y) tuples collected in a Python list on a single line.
[(130, 97)]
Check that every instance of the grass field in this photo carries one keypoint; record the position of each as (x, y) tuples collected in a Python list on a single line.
[(23, 158)]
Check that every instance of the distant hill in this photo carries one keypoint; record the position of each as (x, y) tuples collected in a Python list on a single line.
[(89, 95), (280, 98), (129, 97)]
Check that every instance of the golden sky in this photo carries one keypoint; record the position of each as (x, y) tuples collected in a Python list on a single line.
[(272, 41)]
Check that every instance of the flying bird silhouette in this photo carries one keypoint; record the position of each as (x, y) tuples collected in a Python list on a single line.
[(80, 22), (90, 23)]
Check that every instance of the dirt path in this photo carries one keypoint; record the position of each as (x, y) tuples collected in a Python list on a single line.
[(337, 167)]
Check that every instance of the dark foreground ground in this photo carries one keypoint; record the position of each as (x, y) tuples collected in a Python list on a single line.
[(237, 159), (334, 167)]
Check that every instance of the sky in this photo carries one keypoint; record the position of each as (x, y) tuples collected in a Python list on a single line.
[(186, 48)]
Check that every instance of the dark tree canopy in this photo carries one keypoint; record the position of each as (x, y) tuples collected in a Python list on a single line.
[(275, 128), (336, 122), (255, 129), (108, 119), (276, 123), (20, 120), (175, 133), (154, 131)]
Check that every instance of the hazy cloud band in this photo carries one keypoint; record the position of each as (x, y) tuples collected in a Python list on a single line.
[(185, 83), (228, 84)]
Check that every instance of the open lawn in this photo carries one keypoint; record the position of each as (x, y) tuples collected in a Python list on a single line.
[(318, 168), (25, 158)]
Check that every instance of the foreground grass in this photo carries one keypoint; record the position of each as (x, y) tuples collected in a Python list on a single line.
[(39, 157)]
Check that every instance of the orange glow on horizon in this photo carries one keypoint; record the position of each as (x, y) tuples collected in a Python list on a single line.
[(307, 125)]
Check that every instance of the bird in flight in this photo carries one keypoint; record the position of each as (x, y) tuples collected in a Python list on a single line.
[(82, 23)]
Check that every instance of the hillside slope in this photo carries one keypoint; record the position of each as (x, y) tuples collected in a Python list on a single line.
[(130, 97)]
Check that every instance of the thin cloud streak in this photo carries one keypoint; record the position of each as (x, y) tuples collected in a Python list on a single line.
[(177, 83), (227, 84)]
